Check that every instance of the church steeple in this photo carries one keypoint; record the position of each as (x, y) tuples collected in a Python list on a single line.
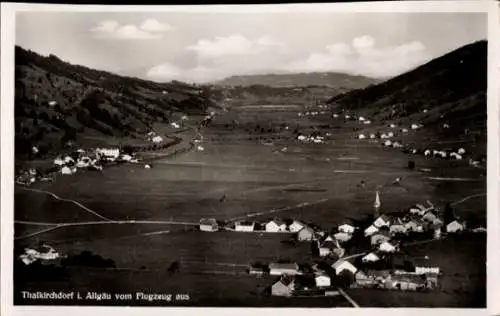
[(376, 205)]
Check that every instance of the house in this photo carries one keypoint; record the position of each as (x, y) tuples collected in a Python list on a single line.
[(284, 287), (454, 227), (363, 280), (406, 282), (126, 157), (305, 234), (108, 153), (414, 126), (324, 251), (276, 225), (387, 246), (371, 257), (379, 275), (372, 136), (322, 280), (244, 226), (379, 238), (425, 270), (296, 226), (338, 252), (157, 139), (429, 217), (43, 252), (456, 156), (342, 237), (432, 280), (361, 136), (256, 270), (437, 232), (425, 265), (208, 225), (66, 170), (461, 151), (59, 162), (343, 265), (479, 229), (69, 160), (346, 228), (387, 143), (382, 220), (283, 268), (414, 226), (370, 230), (398, 228)]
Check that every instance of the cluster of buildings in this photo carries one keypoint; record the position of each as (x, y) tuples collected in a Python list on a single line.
[(80, 159), (276, 225), (386, 141), (92, 160), (154, 138), (311, 139), (383, 266), (42, 252)]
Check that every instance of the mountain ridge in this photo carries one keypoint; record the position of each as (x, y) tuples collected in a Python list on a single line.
[(56, 101), (450, 89), (300, 79)]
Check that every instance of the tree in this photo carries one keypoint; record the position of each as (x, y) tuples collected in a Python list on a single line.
[(346, 278), (174, 267), (449, 214), (411, 164)]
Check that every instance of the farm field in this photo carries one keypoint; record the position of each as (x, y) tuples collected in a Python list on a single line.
[(317, 183)]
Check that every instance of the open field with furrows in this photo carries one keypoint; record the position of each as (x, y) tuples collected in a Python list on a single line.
[(260, 181)]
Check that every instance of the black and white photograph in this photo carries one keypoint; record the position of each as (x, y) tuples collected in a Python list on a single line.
[(327, 158)]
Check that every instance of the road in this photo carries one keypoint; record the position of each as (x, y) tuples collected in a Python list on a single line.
[(348, 298)]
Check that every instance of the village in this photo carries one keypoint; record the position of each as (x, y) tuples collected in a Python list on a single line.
[(371, 253), (95, 159)]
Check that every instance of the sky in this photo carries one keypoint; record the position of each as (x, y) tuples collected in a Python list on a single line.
[(207, 46)]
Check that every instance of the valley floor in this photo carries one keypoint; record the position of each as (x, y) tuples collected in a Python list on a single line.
[(316, 183)]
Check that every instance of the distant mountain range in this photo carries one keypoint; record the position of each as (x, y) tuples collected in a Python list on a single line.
[(450, 89), (56, 101), (338, 81)]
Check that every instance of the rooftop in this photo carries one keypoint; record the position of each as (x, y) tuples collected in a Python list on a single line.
[(208, 221)]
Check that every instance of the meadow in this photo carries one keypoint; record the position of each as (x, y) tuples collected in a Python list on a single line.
[(259, 180)]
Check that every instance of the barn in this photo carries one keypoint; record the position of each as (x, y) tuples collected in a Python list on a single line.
[(276, 225), (305, 234), (208, 225), (284, 286)]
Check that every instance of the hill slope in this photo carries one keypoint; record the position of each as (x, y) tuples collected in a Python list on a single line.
[(450, 89), (56, 101), (342, 82)]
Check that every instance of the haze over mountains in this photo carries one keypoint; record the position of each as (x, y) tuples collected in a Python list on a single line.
[(327, 79), (56, 101)]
